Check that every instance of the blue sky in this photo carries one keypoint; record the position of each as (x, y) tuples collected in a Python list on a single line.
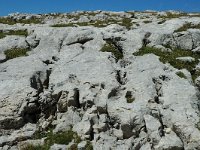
[(46, 6)]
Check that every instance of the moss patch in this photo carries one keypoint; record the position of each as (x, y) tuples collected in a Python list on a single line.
[(11, 21), (162, 21), (57, 138), (2, 35), (187, 26), (126, 22), (170, 57), (16, 52), (147, 21), (173, 15), (32, 147), (130, 100), (129, 97), (110, 47), (89, 146), (13, 32), (181, 75)]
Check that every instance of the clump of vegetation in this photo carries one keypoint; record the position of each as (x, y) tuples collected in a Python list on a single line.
[(78, 15), (161, 22), (11, 21), (147, 21), (126, 22), (89, 146), (130, 100), (170, 57), (198, 125), (181, 75), (173, 15), (187, 26), (2, 35), (15, 52), (57, 138), (129, 97), (63, 25), (98, 23), (33, 147), (13, 32), (17, 32), (110, 47)]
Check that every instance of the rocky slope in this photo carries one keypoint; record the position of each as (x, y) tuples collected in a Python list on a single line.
[(100, 80)]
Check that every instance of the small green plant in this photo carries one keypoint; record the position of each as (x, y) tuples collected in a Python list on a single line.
[(11, 21), (187, 26), (181, 75), (126, 22), (129, 97), (98, 23), (161, 22), (56, 138), (2, 35), (170, 57), (63, 25), (89, 146), (15, 52), (173, 15), (17, 32), (147, 21), (13, 32), (33, 147), (198, 125), (110, 47)]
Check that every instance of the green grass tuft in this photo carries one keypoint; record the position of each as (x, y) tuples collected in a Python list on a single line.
[(109, 47), (130, 99), (126, 22), (181, 75), (16, 52), (89, 146), (187, 26), (32, 147), (17, 32), (56, 138), (162, 21), (173, 15), (11, 21), (170, 57), (13, 32), (147, 21), (2, 35)]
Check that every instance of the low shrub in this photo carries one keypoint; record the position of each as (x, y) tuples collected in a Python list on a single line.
[(56, 138), (11, 21), (187, 26), (162, 21), (181, 75), (147, 21), (15, 52), (110, 47), (173, 15), (13, 32), (126, 22), (170, 57)]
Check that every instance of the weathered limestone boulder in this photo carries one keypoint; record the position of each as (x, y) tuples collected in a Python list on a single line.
[(12, 41)]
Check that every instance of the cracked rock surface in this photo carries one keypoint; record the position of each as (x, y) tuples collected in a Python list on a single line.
[(66, 82)]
